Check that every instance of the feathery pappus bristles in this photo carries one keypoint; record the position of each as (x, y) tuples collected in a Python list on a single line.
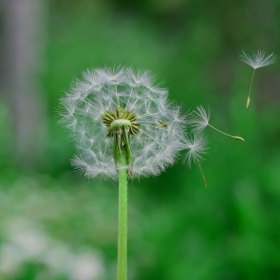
[(197, 147), (119, 110), (257, 60)]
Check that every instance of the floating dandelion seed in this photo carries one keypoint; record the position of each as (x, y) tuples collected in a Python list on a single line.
[(201, 119), (257, 60), (197, 147), (114, 110)]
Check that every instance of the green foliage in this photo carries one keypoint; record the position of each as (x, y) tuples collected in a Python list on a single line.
[(177, 228)]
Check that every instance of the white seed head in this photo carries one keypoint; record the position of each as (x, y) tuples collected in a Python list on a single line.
[(197, 147), (160, 127), (258, 59), (200, 119)]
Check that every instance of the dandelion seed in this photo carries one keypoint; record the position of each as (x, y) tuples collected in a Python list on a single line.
[(257, 60), (197, 147), (201, 119), (162, 123)]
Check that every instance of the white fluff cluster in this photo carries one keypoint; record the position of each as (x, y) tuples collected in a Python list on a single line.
[(200, 119), (161, 132), (258, 59), (197, 148)]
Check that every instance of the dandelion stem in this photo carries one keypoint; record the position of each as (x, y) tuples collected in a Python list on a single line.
[(220, 130), (202, 174), (235, 137), (248, 99), (122, 231)]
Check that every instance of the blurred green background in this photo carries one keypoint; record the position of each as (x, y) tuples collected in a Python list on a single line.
[(57, 225)]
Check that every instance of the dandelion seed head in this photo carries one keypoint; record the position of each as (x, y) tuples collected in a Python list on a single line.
[(107, 99), (258, 59)]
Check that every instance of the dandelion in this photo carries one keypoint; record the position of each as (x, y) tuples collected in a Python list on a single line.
[(123, 126), (197, 147), (201, 119), (257, 60), (111, 111)]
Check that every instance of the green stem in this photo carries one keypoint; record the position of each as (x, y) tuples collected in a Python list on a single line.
[(202, 174), (235, 137), (249, 97), (122, 233), (251, 83), (220, 131)]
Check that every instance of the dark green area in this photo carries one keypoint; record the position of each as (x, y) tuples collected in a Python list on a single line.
[(177, 228)]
